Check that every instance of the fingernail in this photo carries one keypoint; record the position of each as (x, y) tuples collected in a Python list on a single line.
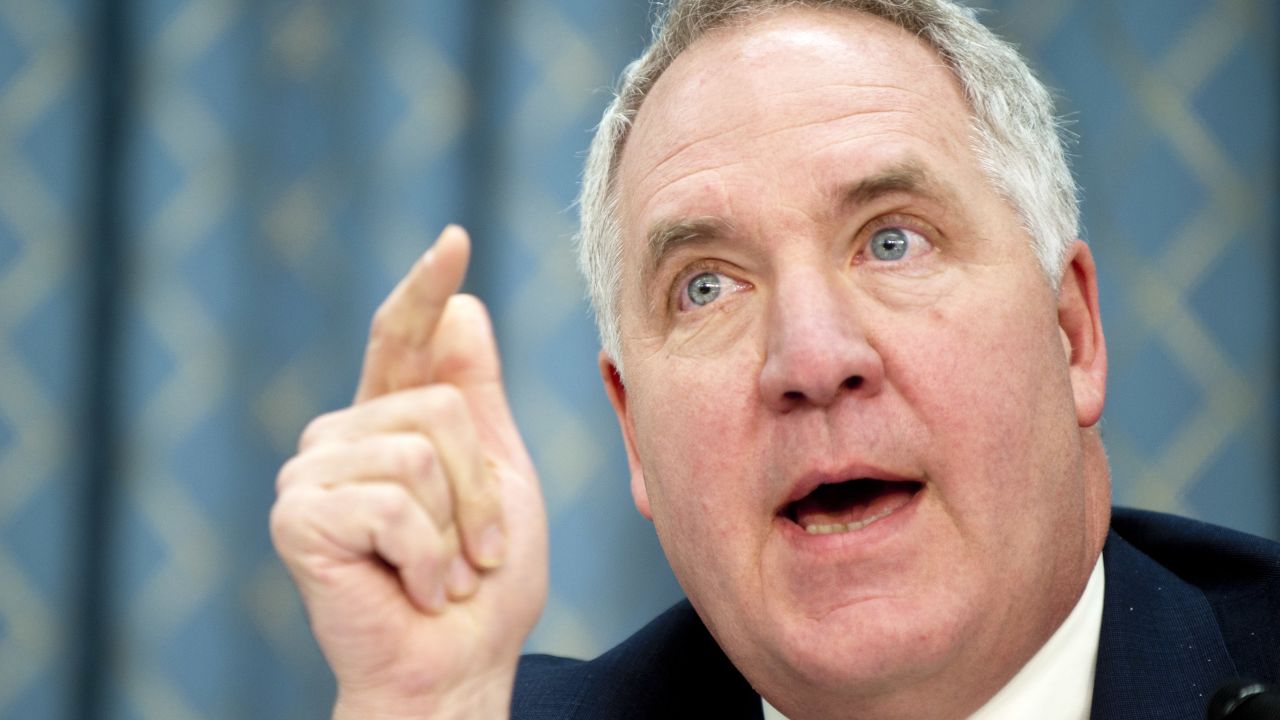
[(493, 545), (462, 578)]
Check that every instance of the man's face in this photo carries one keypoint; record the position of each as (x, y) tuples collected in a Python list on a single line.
[(853, 401)]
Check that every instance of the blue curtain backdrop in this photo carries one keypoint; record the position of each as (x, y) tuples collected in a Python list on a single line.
[(202, 202)]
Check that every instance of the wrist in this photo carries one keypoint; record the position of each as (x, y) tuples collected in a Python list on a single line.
[(479, 698)]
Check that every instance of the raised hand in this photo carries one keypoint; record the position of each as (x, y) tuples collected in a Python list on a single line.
[(412, 521)]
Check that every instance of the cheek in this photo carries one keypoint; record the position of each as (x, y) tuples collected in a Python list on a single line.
[(994, 394), (696, 435)]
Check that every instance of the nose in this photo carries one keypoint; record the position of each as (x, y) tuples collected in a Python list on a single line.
[(816, 351)]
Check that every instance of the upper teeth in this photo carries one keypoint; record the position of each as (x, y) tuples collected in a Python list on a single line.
[(829, 528)]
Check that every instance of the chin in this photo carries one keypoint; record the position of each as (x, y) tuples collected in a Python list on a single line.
[(867, 648)]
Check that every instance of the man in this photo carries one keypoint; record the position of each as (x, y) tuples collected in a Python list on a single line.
[(856, 355)]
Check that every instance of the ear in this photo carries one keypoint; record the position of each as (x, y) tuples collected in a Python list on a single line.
[(617, 392), (1081, 328)]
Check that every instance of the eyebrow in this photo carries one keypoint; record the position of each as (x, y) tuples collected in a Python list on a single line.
[(907, 176), (665, 237)]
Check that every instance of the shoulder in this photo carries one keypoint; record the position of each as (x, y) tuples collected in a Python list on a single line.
[(1220, 561), (1237, 574), (667, 669)]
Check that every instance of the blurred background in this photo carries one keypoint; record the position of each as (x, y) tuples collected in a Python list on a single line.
[(202, 202)]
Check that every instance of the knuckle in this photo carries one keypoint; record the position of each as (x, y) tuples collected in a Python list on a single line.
[(467, 309), (381, 316), (448, 403), (317, 431), (470, 305), (277, 520), (285, 516), (288, 475), (393, 505), (413, 456), (383, 324)]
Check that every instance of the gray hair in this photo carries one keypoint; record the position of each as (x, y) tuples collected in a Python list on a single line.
[(1015, 134)]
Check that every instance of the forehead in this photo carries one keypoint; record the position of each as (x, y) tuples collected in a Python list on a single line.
[(817, 96)]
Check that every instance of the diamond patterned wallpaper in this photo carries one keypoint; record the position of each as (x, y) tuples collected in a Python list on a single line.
[(1175, 105), (283, 161)]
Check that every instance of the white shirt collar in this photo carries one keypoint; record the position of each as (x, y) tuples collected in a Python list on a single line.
[(1057, 682)]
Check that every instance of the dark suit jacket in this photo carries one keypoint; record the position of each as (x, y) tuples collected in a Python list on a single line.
[(1188, 606)]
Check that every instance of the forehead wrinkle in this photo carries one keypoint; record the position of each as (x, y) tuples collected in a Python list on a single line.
[(879, 103), (668, 182), (834, 118), (877, 91), (841, 114), (837, 117), (681, 147)]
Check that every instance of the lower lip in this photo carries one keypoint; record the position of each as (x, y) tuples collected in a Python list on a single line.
[(881, 531)]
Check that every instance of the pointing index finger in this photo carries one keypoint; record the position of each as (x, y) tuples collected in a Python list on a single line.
[(398, 355)]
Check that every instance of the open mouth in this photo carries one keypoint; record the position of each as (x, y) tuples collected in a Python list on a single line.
[(850, 505)]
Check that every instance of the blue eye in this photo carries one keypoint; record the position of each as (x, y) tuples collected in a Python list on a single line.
[(704, 288), (890, 244)]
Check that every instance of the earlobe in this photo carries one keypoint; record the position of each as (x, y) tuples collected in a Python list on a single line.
[(617, 392), (1081, 327)]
